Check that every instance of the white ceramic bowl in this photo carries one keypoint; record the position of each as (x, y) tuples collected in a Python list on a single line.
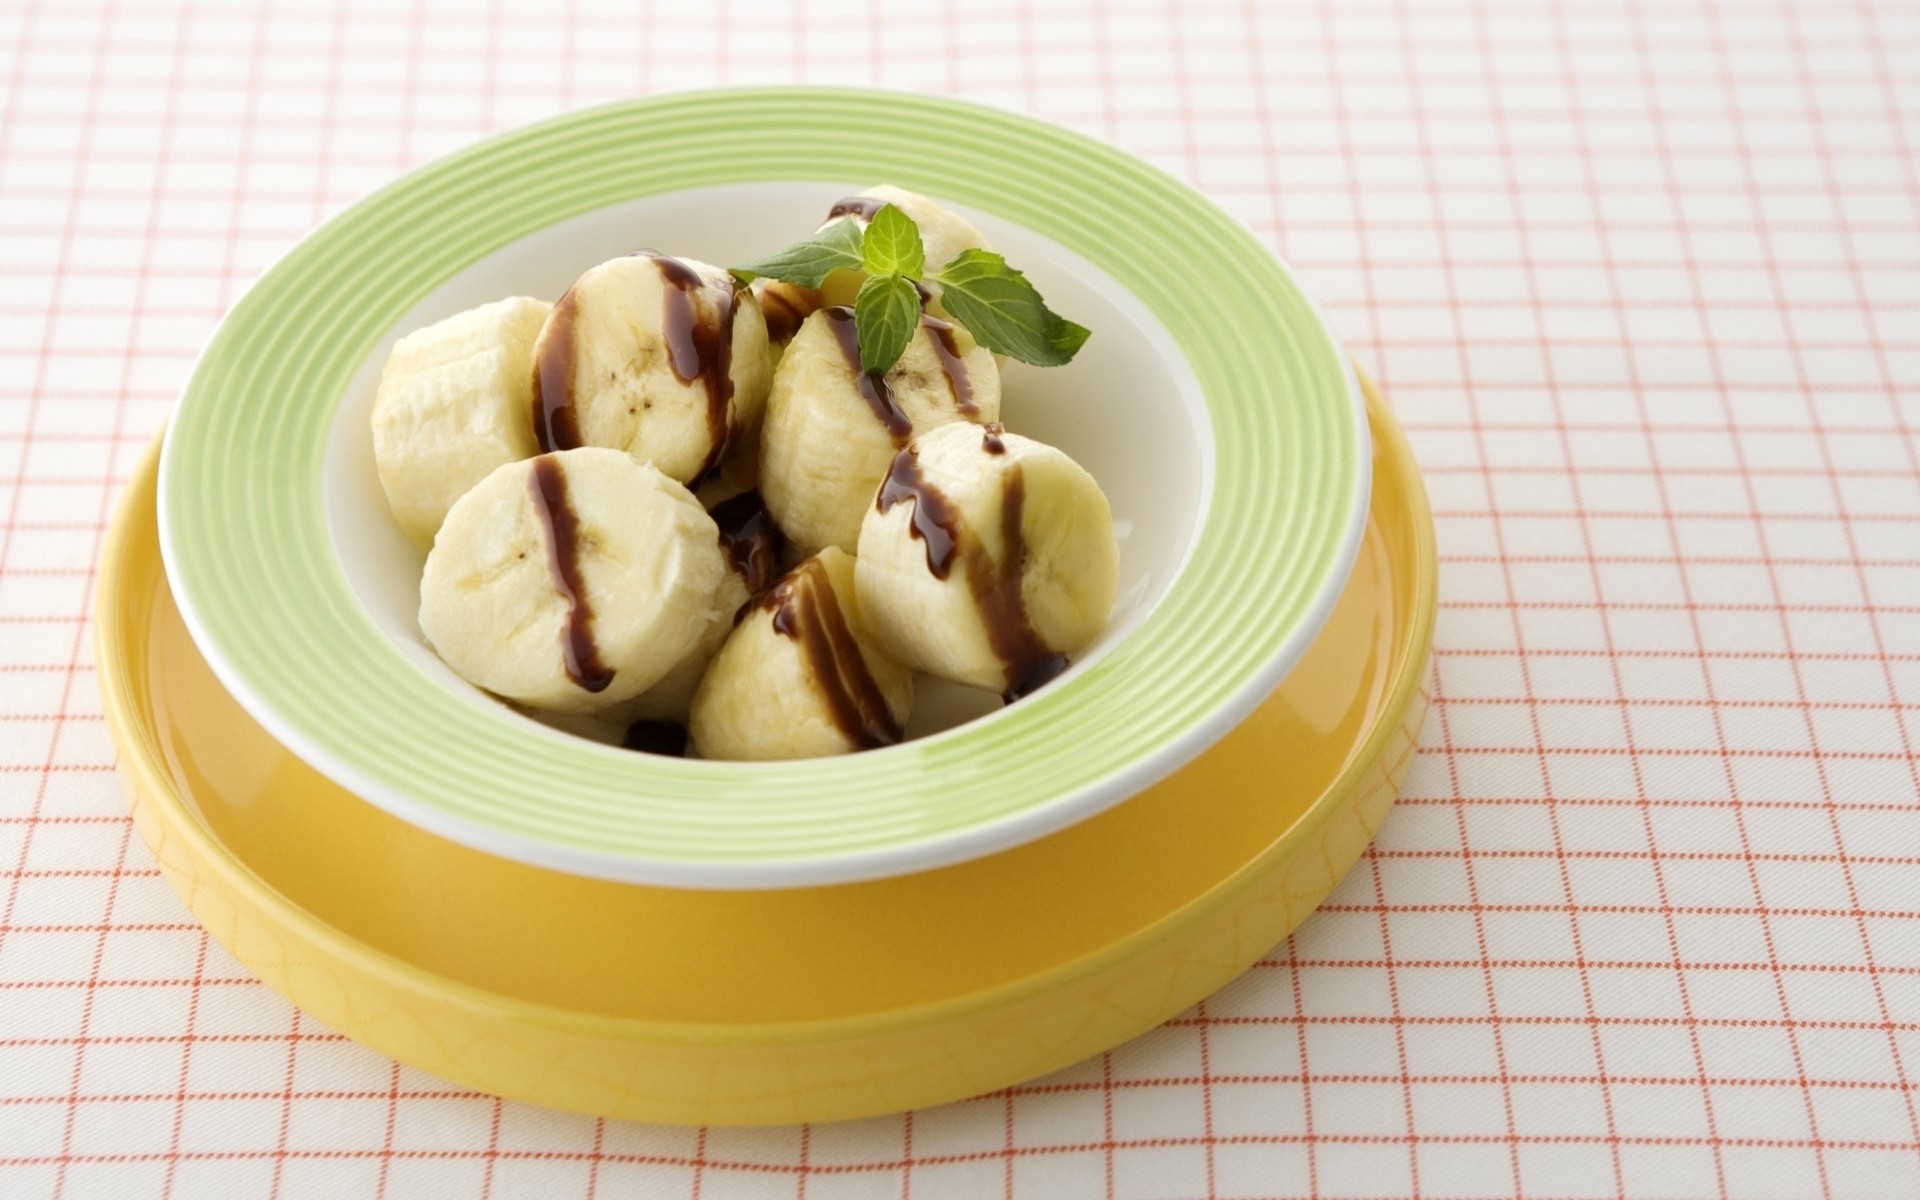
[(1213, 404)]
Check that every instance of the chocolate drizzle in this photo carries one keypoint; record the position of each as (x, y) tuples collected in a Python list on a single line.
[(657, 737), (785, 306), (701, 349), (556, 425), (863, 207), (805, 609), (996, 583), (1040, 674), (697, 348), (947, 350), (548, 484), (872, 384), (990, 439), (935, 520), (1003, 603), (751, 538)]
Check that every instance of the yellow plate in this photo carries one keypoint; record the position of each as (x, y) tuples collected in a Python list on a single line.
[(815, 1004)]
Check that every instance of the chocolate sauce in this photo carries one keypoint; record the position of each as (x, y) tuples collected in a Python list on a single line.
[(785, 306), (995, 582), (1043, 672), (562, 525), (701, 349), (805, 608), (863, 207), (947, 350), (872, 384), (751, 538), (657, 737), (997, 587), (935, 520), (785, 607), (990, 439), (556, 426)]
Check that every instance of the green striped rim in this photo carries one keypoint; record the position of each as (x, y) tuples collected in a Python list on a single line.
[(249, 555)]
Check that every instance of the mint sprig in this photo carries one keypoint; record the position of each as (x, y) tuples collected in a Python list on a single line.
[(996, 303), (837, 247)]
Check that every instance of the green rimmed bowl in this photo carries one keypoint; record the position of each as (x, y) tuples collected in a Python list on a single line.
[(1213, 404)]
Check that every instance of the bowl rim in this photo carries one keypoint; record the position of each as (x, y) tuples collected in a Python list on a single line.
[(212, 478)]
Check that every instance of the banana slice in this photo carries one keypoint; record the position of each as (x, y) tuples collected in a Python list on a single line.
[(665, 358), (831, 429), (752, 545), (572, 581), (943, 233), (452, 406), (987, 558), (799, 677), (672, 697)]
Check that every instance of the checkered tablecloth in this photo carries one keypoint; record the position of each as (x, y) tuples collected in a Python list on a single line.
[(1644, 286)]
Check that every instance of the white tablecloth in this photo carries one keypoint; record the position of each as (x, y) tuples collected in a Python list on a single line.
[(1642, 285)]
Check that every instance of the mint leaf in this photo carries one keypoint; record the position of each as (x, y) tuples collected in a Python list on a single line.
[(996, 304), (810, 261), (1004, 312), (885, 314), (892, 245)]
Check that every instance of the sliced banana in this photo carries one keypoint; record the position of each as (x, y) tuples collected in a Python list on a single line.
[(452, 405), (672, 697), (831, 429), (800, 677), (943, 233), (573, 581), (664, 358), (752, 545), (987, 558)]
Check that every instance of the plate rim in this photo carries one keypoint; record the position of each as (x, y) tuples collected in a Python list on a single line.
[(898, 855)]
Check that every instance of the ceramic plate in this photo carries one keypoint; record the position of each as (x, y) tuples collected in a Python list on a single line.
[(1213, 405)]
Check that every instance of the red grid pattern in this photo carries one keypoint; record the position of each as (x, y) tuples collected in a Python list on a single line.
[(1641, 282)]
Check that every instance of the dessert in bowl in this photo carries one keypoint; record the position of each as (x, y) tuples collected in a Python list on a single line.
[(1211, 405), (642, 502)]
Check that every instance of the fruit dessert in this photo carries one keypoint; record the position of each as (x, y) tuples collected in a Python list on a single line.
[(665, 358), (987, 558), (732, 513), (452, 406), (801, 676), (573, 581)]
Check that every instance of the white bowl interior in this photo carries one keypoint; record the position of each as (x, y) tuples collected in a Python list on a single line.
[(1128, 409)]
